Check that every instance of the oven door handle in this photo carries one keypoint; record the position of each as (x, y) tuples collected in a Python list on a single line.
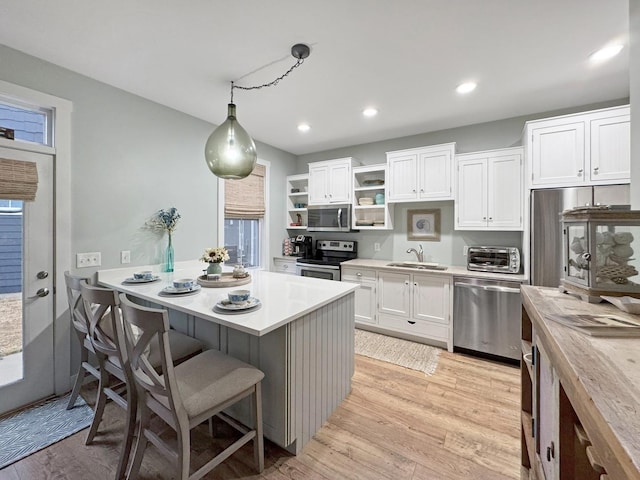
[(489, 288), (316, 267)]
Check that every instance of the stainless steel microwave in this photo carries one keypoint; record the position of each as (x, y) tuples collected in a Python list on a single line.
[(329, 218)]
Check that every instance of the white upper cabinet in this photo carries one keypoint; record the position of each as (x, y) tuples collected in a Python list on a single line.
[(610, 149), (421, 174), (330, 181), (489, 190), (582, 149)]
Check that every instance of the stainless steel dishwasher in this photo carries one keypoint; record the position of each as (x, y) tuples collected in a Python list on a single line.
[(486, 316)]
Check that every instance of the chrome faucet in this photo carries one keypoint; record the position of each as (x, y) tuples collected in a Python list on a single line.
[(419, 253)]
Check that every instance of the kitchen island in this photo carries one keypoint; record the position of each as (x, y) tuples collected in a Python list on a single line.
[(301, 337)]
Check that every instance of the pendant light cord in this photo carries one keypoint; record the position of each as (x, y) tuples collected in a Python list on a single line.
[(270, 84)]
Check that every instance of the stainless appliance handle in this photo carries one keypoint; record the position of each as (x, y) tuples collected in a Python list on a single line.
[(489, 288), (316, 267), (339, 218)]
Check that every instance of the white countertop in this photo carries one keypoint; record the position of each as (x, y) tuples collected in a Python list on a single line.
[(451, 270), (284, 297)]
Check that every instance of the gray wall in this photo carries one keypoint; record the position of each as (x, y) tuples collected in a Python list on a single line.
[(132, 157), (634, 82), (471, 138)]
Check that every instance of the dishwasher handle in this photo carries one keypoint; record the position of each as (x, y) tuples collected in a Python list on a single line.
[(489, 288)]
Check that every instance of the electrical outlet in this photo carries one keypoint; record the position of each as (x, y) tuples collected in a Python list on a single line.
[(125, 256), (91, 259), (465, 250), (376, 247)]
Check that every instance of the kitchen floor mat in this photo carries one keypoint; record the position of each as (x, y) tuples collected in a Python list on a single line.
[(27, 431), (413, 355)]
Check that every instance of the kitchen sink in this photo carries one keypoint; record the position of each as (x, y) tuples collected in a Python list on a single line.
[(418, 265)]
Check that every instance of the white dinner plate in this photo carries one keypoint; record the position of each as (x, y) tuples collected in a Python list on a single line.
[(141, 280), (172, 291), (227, 306)]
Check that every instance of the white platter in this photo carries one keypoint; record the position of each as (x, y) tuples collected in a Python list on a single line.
[(626, 304), (227, 306), (176, 292), (141, 280)]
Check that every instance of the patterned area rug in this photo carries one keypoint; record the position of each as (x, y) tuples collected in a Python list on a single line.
[(27, 431), (416, 356)]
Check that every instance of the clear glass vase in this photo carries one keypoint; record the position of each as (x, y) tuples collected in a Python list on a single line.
[(168, 257), (214, 268)]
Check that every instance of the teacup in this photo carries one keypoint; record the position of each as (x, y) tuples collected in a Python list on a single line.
[(143, 275), (183, 283), (239, 296)]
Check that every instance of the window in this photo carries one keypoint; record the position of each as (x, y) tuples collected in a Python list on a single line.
[(30, 124), (245, 214), (10, 206)]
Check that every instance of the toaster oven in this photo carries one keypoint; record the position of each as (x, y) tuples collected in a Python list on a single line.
[(494, 259)]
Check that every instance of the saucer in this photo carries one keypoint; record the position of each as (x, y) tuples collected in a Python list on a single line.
[(141, 280), (227, 306), (172, 291)]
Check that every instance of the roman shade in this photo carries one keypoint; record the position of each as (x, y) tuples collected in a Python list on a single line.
[(18, 180), (245, 198)]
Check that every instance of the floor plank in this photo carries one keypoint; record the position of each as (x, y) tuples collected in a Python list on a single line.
[(400, 424)]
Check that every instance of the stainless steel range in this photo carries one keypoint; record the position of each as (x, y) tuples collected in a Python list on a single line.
[(325, 262)]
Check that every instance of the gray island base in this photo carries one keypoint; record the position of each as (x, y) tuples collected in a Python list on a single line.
[(302, 338)]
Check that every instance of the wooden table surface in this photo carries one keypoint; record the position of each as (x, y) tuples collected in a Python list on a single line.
[(601, 376)]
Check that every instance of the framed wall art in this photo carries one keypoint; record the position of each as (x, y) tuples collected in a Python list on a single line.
[(423, 225)]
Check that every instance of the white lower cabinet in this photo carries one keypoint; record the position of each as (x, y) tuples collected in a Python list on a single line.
[(365, 308), (417, 305), (285, 265)]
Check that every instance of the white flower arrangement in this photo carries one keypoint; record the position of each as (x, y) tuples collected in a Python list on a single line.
[(215, 255)]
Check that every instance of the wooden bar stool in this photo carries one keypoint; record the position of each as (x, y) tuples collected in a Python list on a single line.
[(188, 394)]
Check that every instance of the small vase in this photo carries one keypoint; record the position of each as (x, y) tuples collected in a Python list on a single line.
[(214, 268), (168, 257)]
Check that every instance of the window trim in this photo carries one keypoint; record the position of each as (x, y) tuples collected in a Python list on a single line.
[(264, 243)]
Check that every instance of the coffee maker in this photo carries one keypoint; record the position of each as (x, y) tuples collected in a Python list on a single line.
[(302, 246)]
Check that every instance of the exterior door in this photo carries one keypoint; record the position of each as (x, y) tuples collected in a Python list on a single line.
[(27, 374)]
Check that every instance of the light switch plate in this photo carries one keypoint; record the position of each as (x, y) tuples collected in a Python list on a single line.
[(90, 259), (125, 256)]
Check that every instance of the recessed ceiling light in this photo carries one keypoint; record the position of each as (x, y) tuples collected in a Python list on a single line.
[(370, 112), (605, 53), (304, 127), (466, 87)]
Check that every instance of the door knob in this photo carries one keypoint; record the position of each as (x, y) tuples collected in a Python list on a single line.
[(42, 274), (43, 292)]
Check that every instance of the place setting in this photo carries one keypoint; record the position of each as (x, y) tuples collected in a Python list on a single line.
[(238, 301), (180, 288), (145, 276)]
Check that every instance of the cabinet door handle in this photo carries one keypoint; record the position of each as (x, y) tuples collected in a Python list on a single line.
[(580, 172), (414, 190), (415, 284), (411, 322), (484, 218), (422, 190), (358, 274), (284, 267), (406, 283), (595, 170), (551, 452), (491, 219)]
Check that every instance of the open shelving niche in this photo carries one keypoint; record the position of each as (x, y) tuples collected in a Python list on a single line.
[(369, 180), (301, 183)]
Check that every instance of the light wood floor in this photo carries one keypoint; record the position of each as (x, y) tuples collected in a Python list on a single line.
[(460, 423)]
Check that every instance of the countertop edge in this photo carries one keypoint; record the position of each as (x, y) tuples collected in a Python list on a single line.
[(453, 271)]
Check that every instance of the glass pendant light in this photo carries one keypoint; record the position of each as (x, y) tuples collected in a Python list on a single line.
[(230, 151)]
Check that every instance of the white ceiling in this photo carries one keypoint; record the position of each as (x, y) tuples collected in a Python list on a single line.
[(405, 57)]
